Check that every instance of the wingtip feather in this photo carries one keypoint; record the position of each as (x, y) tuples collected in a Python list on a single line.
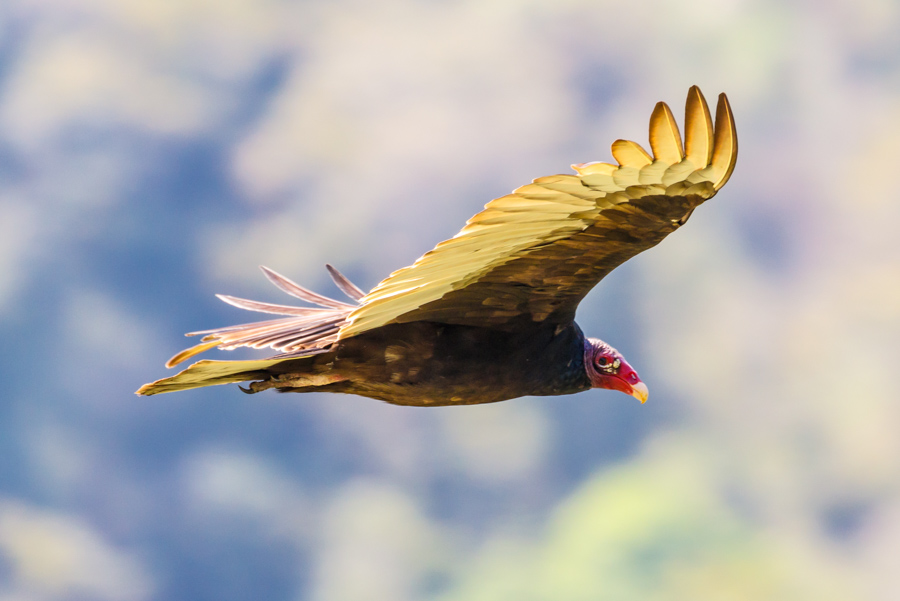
[(698, 129), (298, 291), (190, 352), (630, 154), (346, 286), (725, 147), (665, 139)]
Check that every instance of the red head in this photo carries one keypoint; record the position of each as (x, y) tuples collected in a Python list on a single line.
[(607, 368)]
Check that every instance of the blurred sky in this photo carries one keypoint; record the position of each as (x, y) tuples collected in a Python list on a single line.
[(154, 153)]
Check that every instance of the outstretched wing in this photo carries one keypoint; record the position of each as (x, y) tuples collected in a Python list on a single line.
[(535, 253)]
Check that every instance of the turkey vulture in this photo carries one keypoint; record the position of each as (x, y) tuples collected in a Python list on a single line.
[(488, 315)]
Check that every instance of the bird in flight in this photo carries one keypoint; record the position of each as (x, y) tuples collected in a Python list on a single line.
[(489, 314)]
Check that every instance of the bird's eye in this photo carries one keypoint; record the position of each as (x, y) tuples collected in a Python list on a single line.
[(602, 361)]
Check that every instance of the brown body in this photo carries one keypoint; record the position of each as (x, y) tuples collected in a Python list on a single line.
[(431, 364)]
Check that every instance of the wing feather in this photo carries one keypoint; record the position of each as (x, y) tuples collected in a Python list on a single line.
[(698, 128), (346, 286), (535, 253), (250, 305), (665, 139), (300, 292), (725, 149), (306, 330), (630, 154)]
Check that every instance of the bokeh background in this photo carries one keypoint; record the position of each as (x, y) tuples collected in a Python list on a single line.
[(154, 153)]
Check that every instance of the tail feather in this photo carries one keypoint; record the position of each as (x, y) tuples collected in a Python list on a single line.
[(209, 373)]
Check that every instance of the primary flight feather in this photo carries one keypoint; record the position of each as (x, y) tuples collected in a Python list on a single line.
[(488, 315)]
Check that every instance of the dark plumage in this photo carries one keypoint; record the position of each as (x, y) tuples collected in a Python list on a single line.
[(489, 314), (426, 363)]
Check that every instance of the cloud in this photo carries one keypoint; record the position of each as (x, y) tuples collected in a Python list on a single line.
[(656, 527), (223, 485), (497, 443), (80, 80), (19, 230), (105, 348), (53, 556), (375, 545)]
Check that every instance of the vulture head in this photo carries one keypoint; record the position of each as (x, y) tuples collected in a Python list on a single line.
[(607, 368)]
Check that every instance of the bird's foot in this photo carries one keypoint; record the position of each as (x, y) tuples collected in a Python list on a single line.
[(286, 381), (255, 387)]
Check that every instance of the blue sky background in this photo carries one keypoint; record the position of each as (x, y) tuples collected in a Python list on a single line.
[(153, 154)]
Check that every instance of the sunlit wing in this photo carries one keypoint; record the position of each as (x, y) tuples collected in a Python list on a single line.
[(534, 254)]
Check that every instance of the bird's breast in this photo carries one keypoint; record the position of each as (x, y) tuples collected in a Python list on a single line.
[(425, 363)]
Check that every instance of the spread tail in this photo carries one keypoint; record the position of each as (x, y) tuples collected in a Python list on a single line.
[(210, 373)]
